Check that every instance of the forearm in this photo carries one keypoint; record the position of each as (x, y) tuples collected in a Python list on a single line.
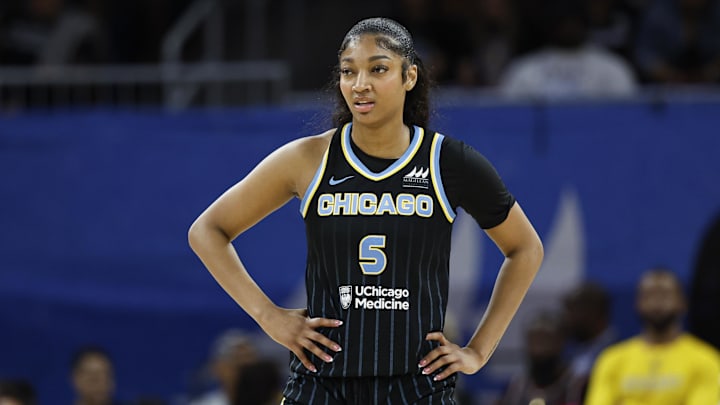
[(218, 255), (514, 279)]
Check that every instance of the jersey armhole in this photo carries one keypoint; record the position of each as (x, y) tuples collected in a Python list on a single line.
[(313, 186), (437, 178)]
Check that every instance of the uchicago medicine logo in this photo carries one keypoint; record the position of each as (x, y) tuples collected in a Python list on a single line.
[(374, 297), (345, 296)]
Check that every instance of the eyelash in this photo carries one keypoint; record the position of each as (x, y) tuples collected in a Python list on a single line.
[(375, 69)]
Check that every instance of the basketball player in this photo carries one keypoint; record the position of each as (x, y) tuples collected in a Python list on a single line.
[(378, 194)]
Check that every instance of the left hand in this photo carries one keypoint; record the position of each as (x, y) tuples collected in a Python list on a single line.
[(451, 356)]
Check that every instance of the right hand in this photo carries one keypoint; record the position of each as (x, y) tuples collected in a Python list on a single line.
[(293, 329)]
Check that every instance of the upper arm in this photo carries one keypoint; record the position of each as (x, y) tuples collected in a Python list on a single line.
[(602, 387), (515, 233), (705, 387), (284, 173), (471, 182)]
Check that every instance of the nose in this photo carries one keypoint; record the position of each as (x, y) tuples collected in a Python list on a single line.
[(361, 84)]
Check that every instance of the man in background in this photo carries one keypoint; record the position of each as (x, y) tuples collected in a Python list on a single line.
[(587, 315), (567, 65), (547, 379), (663, 365)]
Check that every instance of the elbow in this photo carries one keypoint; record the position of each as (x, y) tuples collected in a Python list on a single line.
[(538, 252), (530, 253), (198, 233), (204, 232), (194, 234), (533, 253)]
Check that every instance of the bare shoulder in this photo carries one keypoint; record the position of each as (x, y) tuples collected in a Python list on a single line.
[(313, 147), (303, 156)]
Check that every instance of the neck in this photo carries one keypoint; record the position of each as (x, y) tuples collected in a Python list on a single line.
[(388, 141), (660, 337)]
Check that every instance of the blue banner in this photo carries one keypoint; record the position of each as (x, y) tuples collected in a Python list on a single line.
[(95, 208)]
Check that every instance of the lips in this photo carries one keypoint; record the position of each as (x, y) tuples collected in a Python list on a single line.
[(363, 106)]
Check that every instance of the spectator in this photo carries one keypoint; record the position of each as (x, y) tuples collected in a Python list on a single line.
[(93, 378), (663, 365), (548, 379), (567, 65), (231, 352), (16, 392), (587, 320), (48, 32), (679, 42), (259, 383)]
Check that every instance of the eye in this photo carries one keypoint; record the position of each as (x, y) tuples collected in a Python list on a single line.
[(345, 72), (380, 69)]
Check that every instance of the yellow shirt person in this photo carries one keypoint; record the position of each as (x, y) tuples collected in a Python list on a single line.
[(685, 371)]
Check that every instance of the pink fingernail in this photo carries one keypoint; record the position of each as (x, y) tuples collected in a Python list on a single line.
[(338, 322), (435, 378), (426, 371), (337, 348), (422, 363)]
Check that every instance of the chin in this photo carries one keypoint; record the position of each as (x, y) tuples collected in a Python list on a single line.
[(365, 120), (370, 120)]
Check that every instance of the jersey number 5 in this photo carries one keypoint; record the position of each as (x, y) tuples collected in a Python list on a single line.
[(372, 258)]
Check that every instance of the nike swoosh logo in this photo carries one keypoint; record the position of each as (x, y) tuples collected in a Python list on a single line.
[(334, 182)]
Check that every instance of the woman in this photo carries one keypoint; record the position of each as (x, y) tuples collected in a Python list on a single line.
[(378, 194)]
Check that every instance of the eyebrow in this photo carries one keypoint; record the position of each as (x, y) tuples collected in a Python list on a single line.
[(370, 59)]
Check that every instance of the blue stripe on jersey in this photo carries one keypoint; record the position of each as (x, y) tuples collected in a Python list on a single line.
[(312, 187), (437, 178), (360, 167)]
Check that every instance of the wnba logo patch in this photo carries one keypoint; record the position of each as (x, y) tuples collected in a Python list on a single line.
[(345, 296), (417, 178)]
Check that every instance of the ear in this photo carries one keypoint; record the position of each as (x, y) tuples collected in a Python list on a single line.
[(411, 77)]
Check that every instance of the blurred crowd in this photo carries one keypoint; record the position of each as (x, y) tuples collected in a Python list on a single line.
[(521, 47), (518, 44), (237, 372), (51, 32), (573, 355)]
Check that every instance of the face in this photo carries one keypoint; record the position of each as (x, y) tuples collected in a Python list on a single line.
[(660, 302), (583, 317), (93, 379), (371, 81), (544, 342), (576, 320)]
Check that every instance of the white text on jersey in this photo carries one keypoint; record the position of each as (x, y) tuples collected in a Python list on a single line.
[(369, 204)]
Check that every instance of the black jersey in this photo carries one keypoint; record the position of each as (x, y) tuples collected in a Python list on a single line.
[(378, 256)]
